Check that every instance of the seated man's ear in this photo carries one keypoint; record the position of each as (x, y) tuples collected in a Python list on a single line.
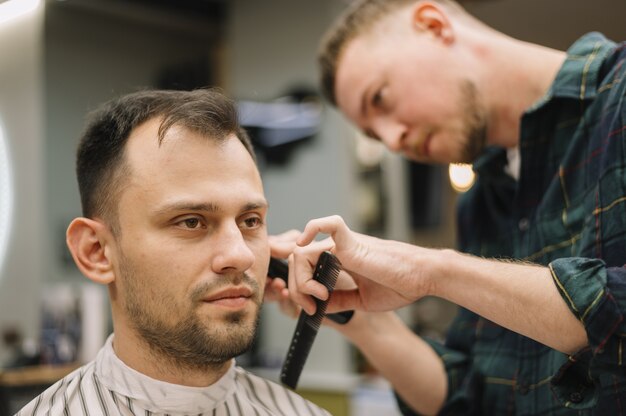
[(89, 242)]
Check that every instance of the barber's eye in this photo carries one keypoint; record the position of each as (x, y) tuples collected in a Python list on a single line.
[(377, 99)]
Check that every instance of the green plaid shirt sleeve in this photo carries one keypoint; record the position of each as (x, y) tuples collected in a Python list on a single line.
[(567, 211)]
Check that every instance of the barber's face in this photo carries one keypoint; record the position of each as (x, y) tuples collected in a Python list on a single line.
[(192, 249), (410, 91)]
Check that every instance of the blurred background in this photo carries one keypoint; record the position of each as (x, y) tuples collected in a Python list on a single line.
[(60, 58)]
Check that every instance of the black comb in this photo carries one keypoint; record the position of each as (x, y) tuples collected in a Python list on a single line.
[(326, 272), (279, 268)]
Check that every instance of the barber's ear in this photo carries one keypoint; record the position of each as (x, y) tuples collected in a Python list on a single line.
[(433, 18), (89, 242)]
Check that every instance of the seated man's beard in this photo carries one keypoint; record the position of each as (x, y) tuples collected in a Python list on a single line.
[(191, 342), (197, 345)]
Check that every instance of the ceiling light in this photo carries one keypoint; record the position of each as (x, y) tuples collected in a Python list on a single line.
[(14, 8)]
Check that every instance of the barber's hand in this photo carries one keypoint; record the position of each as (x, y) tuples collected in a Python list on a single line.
[(281, 246), (382, 280), (276, 291)]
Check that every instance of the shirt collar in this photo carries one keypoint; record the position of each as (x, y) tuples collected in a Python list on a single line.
[(159, 396), (491, 162), (578, 77)]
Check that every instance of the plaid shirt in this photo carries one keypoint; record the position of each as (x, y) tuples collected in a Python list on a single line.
[(568, 212)]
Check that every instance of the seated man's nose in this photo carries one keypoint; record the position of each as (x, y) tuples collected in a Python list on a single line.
[(233, 253)]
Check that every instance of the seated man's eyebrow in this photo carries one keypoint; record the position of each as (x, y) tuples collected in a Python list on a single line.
[(255, 205), (187, 206), (206, 207)]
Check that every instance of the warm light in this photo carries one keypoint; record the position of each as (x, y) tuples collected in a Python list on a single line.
[(14, 8), (6, 197), (461, 176)]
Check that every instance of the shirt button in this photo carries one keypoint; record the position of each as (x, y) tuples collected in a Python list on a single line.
[(576, 397), (523, 224)]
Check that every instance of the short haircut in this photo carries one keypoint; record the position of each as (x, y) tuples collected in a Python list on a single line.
[(356, 20), (100, 164)]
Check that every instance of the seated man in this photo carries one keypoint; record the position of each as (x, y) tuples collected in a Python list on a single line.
[(174, 225)]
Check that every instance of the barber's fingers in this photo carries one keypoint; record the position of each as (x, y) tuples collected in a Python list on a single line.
[(301, 268), (301, 299), (333, 226), (345, 281), (275, 290), (344, 300), (281, 245), (289, 308)]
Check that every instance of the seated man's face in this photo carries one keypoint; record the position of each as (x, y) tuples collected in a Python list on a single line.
[(192, 252)]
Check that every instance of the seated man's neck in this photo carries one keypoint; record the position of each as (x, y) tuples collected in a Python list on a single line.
[(135, 352)]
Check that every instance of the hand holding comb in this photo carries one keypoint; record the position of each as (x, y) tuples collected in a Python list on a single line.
[(280, 269), (326, 272)]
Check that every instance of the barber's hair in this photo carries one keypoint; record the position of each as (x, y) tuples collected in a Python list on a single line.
[(101, 169), (356, 20)]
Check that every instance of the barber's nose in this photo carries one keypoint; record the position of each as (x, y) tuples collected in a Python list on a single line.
[(231, 251), (391, 133)]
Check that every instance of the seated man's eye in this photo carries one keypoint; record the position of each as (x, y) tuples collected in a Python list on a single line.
[(191, 223), (253, 222)]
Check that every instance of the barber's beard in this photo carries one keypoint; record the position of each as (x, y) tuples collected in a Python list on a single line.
[(191, 342), (474, 122)]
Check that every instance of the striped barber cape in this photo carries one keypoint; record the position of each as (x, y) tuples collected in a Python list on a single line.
[(106, 386)]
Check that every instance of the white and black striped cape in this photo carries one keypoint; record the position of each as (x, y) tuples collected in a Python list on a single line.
[(106, 386)]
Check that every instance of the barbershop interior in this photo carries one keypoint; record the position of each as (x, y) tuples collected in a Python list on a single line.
[(61, 58)]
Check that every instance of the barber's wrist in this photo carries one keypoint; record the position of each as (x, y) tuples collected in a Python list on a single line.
[(365, 327), (442, 264)]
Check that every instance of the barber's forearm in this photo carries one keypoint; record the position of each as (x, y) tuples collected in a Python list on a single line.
[(405, 360), (517, 296)]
